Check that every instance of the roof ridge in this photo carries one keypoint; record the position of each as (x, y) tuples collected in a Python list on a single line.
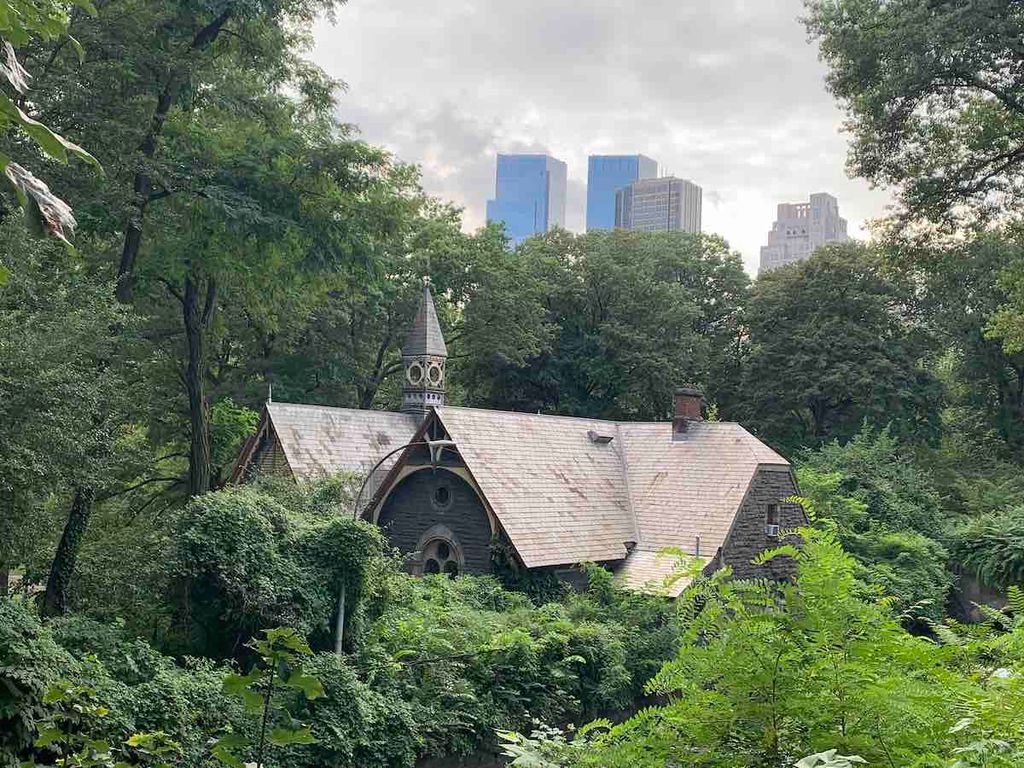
[(317, 406), (529, 415)]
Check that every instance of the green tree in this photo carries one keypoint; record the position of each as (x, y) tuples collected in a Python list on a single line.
[(961, 292), (62, 397), (830, 347), (347, 352), (146, 64), (635, 315), (934, 93), (767, 673)]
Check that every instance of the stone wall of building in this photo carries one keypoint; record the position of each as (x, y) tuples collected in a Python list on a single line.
[(748, 537), (412, 509)]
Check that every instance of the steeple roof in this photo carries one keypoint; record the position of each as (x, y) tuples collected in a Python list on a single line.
[(425, 336)]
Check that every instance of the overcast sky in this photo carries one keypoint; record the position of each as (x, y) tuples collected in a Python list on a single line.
[(728, 93)]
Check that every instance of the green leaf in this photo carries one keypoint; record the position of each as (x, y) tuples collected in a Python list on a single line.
[(237, 685), (49, 735), (282, 737), (310, 686), (79, 49), (5, 274), (52, 144), (223, 746)]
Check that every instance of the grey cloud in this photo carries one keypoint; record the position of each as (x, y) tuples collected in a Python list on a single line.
[(726, 92)]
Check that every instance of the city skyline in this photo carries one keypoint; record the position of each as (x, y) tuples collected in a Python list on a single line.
[(729, 94)]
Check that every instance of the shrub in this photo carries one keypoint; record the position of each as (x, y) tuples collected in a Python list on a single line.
[(992, 547)]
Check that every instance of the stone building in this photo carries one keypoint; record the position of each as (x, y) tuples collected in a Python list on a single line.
[(449, 484), (801, 228)]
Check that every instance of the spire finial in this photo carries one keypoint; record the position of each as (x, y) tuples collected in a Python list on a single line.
[(270, 392)]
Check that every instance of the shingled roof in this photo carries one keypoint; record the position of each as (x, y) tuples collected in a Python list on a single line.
[(563, 496), (425, 337), (320, 441), (564, 489), (560, 496)]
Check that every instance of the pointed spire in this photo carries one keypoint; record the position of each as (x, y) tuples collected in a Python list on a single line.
[(425, 336)]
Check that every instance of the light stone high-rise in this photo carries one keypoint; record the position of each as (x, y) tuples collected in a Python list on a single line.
[(659, 205), (801, 228)]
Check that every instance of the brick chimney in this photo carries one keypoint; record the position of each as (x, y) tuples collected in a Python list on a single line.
[(689, 403)]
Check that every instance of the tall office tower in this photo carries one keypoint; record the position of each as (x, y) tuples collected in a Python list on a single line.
[(659, 205), (529, 195), (606, 175), (801, 228)]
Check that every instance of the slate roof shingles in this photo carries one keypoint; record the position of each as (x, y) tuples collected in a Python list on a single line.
[(561, 497)]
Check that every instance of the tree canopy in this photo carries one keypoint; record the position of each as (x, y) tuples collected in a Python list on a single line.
[(934, 96)]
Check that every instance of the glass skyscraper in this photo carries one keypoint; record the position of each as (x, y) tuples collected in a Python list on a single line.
[(529, 195), (606, 174)]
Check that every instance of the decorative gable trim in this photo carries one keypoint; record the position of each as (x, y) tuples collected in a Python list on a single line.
[(265, 436)]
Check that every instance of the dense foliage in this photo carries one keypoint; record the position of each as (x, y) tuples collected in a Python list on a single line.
[(435, 665), (770, 673), (241, 237)]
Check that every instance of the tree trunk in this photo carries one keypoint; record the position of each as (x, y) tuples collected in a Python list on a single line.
[(5, 581), (197, 321), (55, 600), (142, 185)]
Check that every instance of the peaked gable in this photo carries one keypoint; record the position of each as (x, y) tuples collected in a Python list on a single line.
[(559, 495), (319, 441)]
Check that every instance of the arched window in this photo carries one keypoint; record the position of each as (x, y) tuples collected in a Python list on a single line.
[(441, 556), (439, 552)]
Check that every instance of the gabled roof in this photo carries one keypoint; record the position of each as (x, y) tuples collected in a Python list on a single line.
[(320, 441), (425, 337), (560, 497), (656, 573), (564, 489), (564, 496), (693, 486)]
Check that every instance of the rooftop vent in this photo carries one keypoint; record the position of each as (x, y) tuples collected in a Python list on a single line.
[(598, 438)]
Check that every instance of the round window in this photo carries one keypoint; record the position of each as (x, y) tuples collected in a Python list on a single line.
[(414, 373), (442, 497), (431, 566), (443, 550), (434, 373)]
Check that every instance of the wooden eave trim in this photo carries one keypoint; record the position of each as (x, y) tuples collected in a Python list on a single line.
[(242, 462)]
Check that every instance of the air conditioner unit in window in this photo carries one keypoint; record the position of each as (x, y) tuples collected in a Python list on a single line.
[(771, 530)]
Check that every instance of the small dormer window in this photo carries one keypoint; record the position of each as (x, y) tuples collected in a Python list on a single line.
[(772, 520)]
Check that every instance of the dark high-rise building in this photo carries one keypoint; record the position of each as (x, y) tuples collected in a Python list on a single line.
[(529, 195), (659, 205), (606, 175)]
